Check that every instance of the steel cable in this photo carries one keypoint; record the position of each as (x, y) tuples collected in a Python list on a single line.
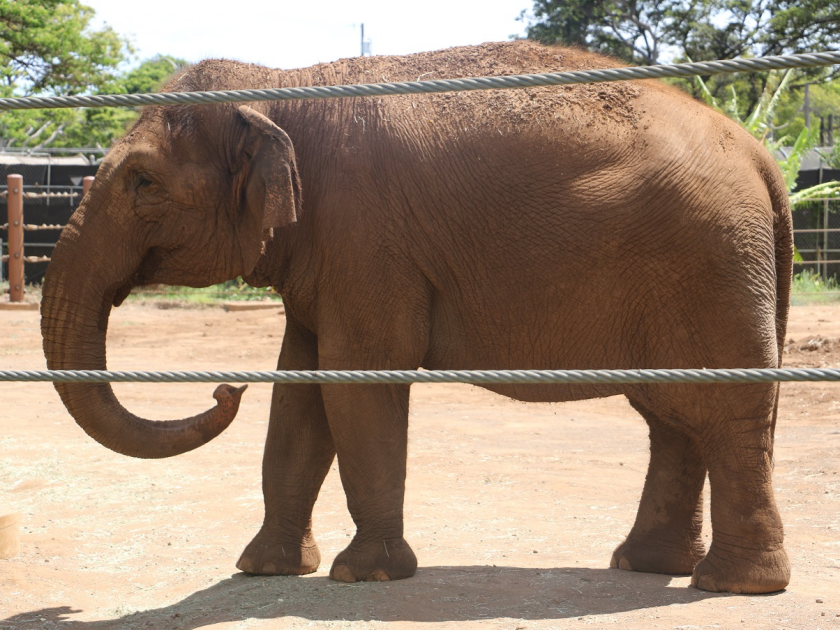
[(700, 68), (477, 377)]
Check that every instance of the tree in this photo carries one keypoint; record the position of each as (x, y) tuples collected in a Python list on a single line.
[(644, 31), (640, 31), (49, 46), (635, 31)]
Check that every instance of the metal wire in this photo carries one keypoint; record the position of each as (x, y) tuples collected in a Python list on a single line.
[(35, 228), (29, 259), (404, 377), (703, 68), (51, 195)]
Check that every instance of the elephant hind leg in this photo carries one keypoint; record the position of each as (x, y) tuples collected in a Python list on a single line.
[(732, 428), (666, 535), (747, 553)]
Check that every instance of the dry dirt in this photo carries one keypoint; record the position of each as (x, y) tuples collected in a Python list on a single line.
[(513, 509)]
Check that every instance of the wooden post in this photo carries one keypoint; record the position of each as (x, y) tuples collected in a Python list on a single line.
[(14, 200), (87, 182)]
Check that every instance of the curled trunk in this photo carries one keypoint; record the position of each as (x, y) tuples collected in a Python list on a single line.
[(77, 299)]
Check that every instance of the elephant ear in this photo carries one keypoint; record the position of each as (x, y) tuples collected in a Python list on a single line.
[(272, 190)]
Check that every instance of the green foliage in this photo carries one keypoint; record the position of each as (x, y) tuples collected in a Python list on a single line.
[(639, 30), (231, 291), (49, 46), (149, 76), (759, 124), (86, 127), (166, 296), (833, 158), (635, 31), (809, 286), (643, 31)]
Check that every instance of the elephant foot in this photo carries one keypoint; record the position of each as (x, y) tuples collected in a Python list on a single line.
[(744, 571), (658, 554), (375, 561), (271, 553)]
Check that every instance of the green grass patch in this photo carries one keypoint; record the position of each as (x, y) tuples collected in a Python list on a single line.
[(810, 287), (174, 296), (231, 291)]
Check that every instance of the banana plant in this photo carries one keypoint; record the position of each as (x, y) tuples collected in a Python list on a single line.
[(758, 123)]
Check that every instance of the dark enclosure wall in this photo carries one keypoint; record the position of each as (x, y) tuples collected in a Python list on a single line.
[(42, 211)]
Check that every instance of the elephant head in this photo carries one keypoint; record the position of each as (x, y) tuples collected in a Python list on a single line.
[(188, 197)]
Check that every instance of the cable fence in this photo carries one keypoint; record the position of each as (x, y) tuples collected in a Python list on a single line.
[(681, 70), (406, 377)]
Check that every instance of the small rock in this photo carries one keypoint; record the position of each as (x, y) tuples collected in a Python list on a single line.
[(819, 601)]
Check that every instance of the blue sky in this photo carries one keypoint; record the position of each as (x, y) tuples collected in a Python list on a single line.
[(285, 34)]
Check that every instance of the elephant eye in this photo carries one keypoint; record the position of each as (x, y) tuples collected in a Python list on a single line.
[(147, 190), (142, 181)]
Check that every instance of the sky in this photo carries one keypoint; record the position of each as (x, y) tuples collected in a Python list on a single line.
[(289, 34)]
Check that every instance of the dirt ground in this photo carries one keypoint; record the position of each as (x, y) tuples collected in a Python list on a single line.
[(513, 509)]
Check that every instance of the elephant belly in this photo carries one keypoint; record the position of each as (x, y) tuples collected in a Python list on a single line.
[(555, 393)]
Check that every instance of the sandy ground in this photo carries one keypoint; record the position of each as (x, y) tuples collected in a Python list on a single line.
[(513, 509)]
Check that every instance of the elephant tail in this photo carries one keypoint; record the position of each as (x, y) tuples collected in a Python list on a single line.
[(783, 238)]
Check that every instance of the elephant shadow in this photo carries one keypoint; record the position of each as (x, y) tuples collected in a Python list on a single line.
[(436, 594)]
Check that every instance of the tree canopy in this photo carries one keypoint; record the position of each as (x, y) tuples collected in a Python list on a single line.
[(642, 31), (49, 47), (86, 127), (648, 32)]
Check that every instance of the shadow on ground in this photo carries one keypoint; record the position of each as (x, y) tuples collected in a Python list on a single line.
[(436, 594)]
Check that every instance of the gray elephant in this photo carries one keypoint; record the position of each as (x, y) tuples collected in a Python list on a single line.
[(616, 225)]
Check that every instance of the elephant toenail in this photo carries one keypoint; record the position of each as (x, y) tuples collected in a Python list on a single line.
[(378, 576), (705, 582), (342, 573), (624, 564), (269, 568), (245, 565), (736, 588)]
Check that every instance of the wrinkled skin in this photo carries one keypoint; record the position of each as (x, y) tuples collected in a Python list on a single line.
[(606, 226)]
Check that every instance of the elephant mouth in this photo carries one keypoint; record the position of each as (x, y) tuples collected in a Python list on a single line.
[(143, 276)]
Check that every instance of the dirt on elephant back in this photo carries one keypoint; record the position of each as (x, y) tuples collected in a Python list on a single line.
[(513, 509), (504, 110)]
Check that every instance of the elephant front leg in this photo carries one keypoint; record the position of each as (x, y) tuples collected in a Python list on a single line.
[(666, 535), (298, 454), (369, 425)]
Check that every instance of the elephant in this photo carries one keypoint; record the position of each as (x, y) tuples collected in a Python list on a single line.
[(617, 225)]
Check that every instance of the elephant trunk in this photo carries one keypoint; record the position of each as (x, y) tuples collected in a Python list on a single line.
[(78, 295)]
